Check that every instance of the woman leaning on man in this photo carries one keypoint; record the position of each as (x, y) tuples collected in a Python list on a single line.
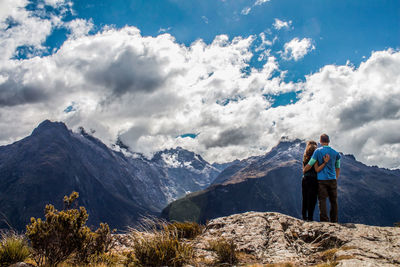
[(309, 183)]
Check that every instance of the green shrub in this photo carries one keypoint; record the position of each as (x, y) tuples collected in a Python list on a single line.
[(13, 249), (225, 250), (157, 245), (187, 230), (397, 224), (64, 234), (94, 244)]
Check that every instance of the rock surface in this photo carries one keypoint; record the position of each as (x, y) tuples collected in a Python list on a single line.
[(277, 238)]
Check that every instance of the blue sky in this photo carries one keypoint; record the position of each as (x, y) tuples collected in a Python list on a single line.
[(341, 30), (223, 78)]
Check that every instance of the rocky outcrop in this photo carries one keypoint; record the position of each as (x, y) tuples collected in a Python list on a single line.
[(277, 238)]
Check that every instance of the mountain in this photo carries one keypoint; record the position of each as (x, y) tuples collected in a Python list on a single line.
[(116, 187), (184, 171), (272, 182)]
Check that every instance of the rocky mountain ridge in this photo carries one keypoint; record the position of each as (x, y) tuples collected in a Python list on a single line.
[(117, 187)]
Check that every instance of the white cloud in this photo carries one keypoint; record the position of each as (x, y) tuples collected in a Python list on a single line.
[(55, 3), (279, 24), (296, 49), (260, 2), (245, 11), (149, 90), (20, 27), (205, 19), (79, 27), (163, 30)]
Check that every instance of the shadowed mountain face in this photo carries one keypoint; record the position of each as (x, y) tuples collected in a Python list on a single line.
[(368, 195), (115, 187)]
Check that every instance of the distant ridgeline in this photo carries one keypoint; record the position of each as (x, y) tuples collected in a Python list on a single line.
[(119, 187), (272, 182), (115, 186)]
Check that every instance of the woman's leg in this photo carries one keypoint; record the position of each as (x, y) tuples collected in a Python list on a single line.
[(305, 199), (313, 199)]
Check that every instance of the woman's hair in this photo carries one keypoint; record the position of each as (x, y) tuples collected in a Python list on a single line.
[(310, 148)]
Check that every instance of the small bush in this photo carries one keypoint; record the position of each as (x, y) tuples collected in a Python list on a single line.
[(64, 234), (397, 224), (13, 249), (106, 259), (94, 245), (188, 230), (329, 255), (225, 250), (131, 260), (157, 245)]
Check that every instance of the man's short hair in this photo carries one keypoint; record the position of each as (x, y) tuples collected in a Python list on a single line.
[(324, 138)]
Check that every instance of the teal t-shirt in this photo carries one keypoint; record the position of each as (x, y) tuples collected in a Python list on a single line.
[(328, 172)]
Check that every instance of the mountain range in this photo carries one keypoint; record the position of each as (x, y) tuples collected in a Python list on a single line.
[(272, 182), (119, 186), (115, 185)]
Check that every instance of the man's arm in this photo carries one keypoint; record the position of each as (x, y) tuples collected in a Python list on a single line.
[(337, 168)]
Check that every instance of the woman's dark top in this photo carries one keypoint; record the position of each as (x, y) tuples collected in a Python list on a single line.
[(311, 173)]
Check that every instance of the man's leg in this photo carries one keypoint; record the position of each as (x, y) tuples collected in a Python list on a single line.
[(332, 192), (322, 195)]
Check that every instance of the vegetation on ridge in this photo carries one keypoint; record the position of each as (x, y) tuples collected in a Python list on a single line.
[(225, 250), (64, 234), (13, 248), (63, 239)]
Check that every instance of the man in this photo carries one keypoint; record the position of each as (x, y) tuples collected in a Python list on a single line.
[(327, 178)]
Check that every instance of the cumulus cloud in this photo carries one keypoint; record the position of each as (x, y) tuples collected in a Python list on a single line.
[(280, 24), (20, 27), (79, 27), (296, 49), (149, 90)]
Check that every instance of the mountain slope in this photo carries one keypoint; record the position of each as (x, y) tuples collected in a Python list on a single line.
[(272, 182), (115, 186)]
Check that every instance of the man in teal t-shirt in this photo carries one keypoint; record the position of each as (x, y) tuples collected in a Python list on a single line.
[(327, 178)]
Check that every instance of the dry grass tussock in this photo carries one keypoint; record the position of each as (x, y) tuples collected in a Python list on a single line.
[(158, 243), (225, 250), (13, 248)]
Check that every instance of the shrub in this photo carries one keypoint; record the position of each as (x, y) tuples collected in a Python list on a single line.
[(13, 249), (397, 224), (94, 245), (225, 250), (64, 233), (187, 230), (157, 245)]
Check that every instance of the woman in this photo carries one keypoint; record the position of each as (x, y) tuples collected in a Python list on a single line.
[(309, 183)]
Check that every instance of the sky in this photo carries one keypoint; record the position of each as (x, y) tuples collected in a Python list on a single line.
[(226, 79)]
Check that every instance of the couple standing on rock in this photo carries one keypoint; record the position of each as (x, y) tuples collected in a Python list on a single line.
[(321, 169)]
